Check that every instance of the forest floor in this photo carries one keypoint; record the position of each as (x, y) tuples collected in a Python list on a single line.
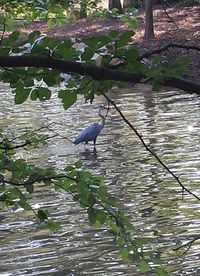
[(180, 25)]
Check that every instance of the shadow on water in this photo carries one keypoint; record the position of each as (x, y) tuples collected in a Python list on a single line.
[(169, 122)]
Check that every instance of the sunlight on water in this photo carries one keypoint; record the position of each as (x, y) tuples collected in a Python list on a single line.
[(169, 122)]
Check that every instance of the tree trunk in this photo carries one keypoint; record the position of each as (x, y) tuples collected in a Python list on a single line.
[(149, 29), (128, 3), (115, 4)]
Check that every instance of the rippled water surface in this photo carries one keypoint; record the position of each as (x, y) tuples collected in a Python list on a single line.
[(169, 122)]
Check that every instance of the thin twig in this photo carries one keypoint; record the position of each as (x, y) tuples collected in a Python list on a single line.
[(148, 149), (37, 179), (57, 134), (167, 14), (166, 47), (189, 244), (187, 47)]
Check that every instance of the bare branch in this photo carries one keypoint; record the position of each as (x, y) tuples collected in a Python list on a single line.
[(37, 179), (187, 47), (188, 244), (148, 149), (166, 47), (167, 14)]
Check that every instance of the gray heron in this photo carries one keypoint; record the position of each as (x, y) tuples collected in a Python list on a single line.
[(91, 132)]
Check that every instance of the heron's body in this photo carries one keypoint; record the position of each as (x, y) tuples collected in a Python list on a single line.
[(91, 132)]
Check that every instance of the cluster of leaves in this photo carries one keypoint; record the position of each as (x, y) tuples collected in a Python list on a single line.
[(16, 173), (159, 70), (32, 9), (87, 7), (18, 179), (109, 51), (36, 82)]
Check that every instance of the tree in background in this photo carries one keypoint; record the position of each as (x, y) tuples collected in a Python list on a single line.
[(149, 27), (115, 4), (128, 3)]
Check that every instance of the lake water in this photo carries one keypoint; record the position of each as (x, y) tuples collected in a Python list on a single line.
[(169, 122)]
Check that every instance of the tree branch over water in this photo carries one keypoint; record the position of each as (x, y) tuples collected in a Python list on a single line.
[(148, 148), (96, 72)]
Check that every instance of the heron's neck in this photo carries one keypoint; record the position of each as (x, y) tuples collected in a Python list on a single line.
[(102, 120)]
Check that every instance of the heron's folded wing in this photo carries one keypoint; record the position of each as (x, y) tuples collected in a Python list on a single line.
[(88, 134)]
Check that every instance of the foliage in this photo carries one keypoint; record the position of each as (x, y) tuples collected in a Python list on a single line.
[(161, 69), (34, 9), (17, 177)]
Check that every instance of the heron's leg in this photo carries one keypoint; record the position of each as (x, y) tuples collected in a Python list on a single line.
[(85, 143), (95, 143)]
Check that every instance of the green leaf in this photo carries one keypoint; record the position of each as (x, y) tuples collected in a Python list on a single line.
[(50, 79), (43, 93), (50, 23), (23, 203), (96, 217), (68, 98), (124, 18), (14, 36), (91, 215), (50, 42), (53, 226), (140, 241), (101, 216), (28, 81), (29, 188), (5, 51), (144, 267), (2, 187), (32, 36), (42, 215), (87, 54), (21, 94), (157, 261), (112, 225), (78, 164), (159, 271), (9, 41), (91, 200), (133, 22), (114, 34), (34, 95), (124, 38), (120, 241), (124, 253)]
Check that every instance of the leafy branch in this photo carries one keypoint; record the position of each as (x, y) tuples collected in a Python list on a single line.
[(96, 72), (102, 209)]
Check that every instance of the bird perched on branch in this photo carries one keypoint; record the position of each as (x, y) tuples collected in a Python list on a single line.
[(91, 132)]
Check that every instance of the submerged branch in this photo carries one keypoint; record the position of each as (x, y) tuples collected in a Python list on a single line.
[(149, 150)]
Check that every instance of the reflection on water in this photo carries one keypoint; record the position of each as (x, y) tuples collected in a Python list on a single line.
[(169, 122)]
